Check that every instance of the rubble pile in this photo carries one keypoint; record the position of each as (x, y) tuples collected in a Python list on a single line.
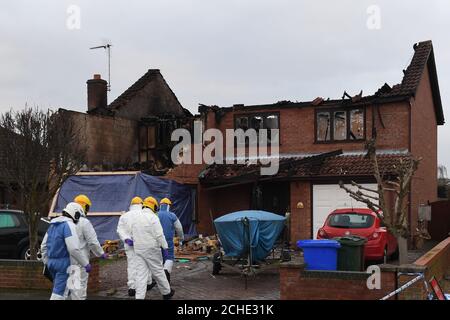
[(199, 248)]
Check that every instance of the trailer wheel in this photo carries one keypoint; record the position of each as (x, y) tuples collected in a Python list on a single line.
[(217, 266)]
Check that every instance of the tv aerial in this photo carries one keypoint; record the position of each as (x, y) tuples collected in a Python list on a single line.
[(107, 47)]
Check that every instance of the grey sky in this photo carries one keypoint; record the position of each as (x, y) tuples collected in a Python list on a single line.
[(218, 51)]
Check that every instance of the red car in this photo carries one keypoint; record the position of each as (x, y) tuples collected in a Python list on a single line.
[(381, 244)]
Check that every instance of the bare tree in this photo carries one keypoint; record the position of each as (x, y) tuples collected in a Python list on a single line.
[(40, 150), (394, 215)]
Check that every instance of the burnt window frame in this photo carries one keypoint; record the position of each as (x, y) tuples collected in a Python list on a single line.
[(161, 137), (332, 111), (263, 114)]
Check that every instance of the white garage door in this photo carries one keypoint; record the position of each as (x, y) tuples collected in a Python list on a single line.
[(328, 197)]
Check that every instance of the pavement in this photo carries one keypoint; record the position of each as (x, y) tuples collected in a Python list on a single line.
[(194, 281), (191, 281)]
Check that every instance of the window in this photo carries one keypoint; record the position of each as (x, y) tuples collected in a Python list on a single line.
[(340, 125), (258, 121), (323, 126), (241, 123), (351, 221), (8, 221), (356, 124)]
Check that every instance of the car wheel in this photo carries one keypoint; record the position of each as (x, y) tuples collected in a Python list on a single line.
[(395, 255), (26, 254)]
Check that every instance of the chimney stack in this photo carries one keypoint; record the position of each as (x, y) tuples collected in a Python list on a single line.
[(97, 89)]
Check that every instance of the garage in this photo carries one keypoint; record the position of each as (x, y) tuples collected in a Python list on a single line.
[(328, 197)]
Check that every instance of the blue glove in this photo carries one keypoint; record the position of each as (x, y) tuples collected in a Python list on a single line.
[(104, 256), (88, 268), (165, 254), (129, 242)]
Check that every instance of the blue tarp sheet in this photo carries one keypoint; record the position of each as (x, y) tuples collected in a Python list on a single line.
[(113, 193), (264, 227)]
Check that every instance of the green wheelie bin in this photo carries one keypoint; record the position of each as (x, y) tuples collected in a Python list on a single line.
[(351, 253)]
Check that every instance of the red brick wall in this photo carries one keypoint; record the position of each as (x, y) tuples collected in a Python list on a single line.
[(297, 128), (297, 284), (220, 202), (424, 145), (300, 218), (16, 274)]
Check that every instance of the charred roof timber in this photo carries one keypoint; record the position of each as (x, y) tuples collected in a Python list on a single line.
[(423, 57)]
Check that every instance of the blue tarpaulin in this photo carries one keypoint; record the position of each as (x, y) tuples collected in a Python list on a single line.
[(112, 194), (264, 229)]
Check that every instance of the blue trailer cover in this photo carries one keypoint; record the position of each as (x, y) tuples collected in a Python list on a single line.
[(265, 228), (113, 194)]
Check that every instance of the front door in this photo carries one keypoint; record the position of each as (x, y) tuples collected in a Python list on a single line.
[(275, 197)]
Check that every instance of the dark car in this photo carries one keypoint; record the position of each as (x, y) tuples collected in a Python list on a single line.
[(14, 239)]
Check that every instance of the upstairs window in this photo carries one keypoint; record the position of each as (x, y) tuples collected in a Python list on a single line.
[(356, 124), (258, 121), (340, 125)]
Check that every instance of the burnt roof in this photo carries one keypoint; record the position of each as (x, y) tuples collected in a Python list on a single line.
[(423, 57), (131, 92), (326, 165)]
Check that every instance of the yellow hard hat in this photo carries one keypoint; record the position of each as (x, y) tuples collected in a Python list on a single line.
[(151, 203), (83, 201), (166, 201), (137, 200)]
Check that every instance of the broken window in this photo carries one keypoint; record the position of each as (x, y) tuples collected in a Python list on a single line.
[(356, 124), (143, 137), (340, 125), (271, 122), (242, 123), (323, 126), (258, 121), (151, 137)]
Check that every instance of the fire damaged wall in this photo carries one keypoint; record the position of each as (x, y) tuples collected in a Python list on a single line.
[(112, 142)]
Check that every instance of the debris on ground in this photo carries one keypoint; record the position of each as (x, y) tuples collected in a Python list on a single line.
[(196, 249), (111, 246)]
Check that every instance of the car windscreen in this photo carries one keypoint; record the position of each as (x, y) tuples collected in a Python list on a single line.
[(351, 220)]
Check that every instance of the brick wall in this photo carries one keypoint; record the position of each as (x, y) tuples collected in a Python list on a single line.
[(219, 202), (424, 145), (27, 275), (298, 284), (112, 141), (300, 218), (297, 128)]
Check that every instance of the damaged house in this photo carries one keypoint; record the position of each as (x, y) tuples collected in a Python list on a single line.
[(321, 143), (132, 132)]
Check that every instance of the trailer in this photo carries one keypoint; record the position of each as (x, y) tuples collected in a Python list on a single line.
[(248, 242)]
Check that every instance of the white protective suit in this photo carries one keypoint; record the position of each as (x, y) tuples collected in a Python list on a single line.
[(148, 237), (124, 232), (62, 239), (88, 243)]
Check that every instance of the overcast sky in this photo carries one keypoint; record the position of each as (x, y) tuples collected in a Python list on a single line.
[(219, 52)]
